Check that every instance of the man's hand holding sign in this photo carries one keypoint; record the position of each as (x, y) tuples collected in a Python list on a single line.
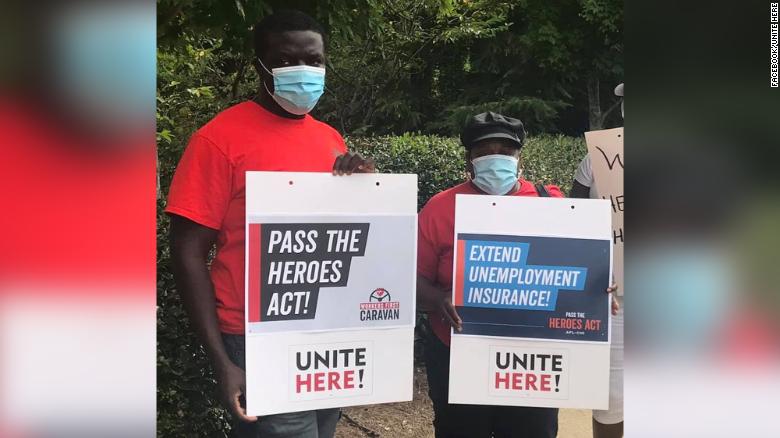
[(352, 162)]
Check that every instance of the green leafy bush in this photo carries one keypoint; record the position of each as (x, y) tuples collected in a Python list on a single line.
[(185, 382), (186, 387), (552, 159), (439, 162), (190, 92)]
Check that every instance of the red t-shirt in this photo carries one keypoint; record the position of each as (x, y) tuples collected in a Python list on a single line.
[(209, 184), (436, 238)]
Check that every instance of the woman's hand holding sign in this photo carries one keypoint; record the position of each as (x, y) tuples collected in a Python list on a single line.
[(432, 298), (448, 312)]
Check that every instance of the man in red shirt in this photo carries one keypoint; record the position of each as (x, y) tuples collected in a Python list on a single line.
[(493, 144), (207, 202)]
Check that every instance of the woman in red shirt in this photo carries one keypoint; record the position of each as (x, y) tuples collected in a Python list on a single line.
[(493, 144)]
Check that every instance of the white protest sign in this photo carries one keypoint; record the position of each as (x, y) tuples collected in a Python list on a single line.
[(606, 155), (530, 284), (330, 290)]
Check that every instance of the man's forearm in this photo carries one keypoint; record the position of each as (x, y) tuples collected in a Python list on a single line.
[(428, 294), (197, 293)]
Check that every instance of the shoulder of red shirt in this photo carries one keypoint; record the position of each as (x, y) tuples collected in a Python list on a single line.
[(221, 129), (329, 130), (311, 120)]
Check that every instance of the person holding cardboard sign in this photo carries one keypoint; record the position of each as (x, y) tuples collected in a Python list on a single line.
[(493, 143), (606, 423), (207, 201)]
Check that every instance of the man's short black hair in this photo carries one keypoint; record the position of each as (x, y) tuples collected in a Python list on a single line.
[(283, 20)]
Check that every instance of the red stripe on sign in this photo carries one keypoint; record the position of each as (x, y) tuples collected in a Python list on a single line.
[(254, 272), (459, 267)]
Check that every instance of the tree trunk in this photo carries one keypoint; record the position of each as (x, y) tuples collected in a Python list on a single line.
[(594, 104)]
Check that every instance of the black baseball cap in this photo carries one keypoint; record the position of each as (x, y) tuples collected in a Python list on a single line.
[(492, 125)]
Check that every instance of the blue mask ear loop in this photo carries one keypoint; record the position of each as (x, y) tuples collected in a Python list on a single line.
[(261, 79)]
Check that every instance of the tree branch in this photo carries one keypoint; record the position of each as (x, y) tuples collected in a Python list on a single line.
[(609, 110), (237, 80)]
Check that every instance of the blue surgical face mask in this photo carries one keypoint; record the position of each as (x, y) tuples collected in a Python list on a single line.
[(495, 174), (297, 89)]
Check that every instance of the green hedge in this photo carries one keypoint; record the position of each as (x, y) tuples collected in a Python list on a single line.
[(439, 161), (185, 382), (552, 159)]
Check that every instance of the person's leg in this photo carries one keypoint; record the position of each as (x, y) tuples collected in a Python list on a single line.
[(450, 420), (326, 422), (289, 425), (522, 422), (607, 430), (609, 423)]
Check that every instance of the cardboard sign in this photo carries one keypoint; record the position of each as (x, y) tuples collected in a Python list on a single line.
[(532, 296), (606, 155), (330, 290)]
